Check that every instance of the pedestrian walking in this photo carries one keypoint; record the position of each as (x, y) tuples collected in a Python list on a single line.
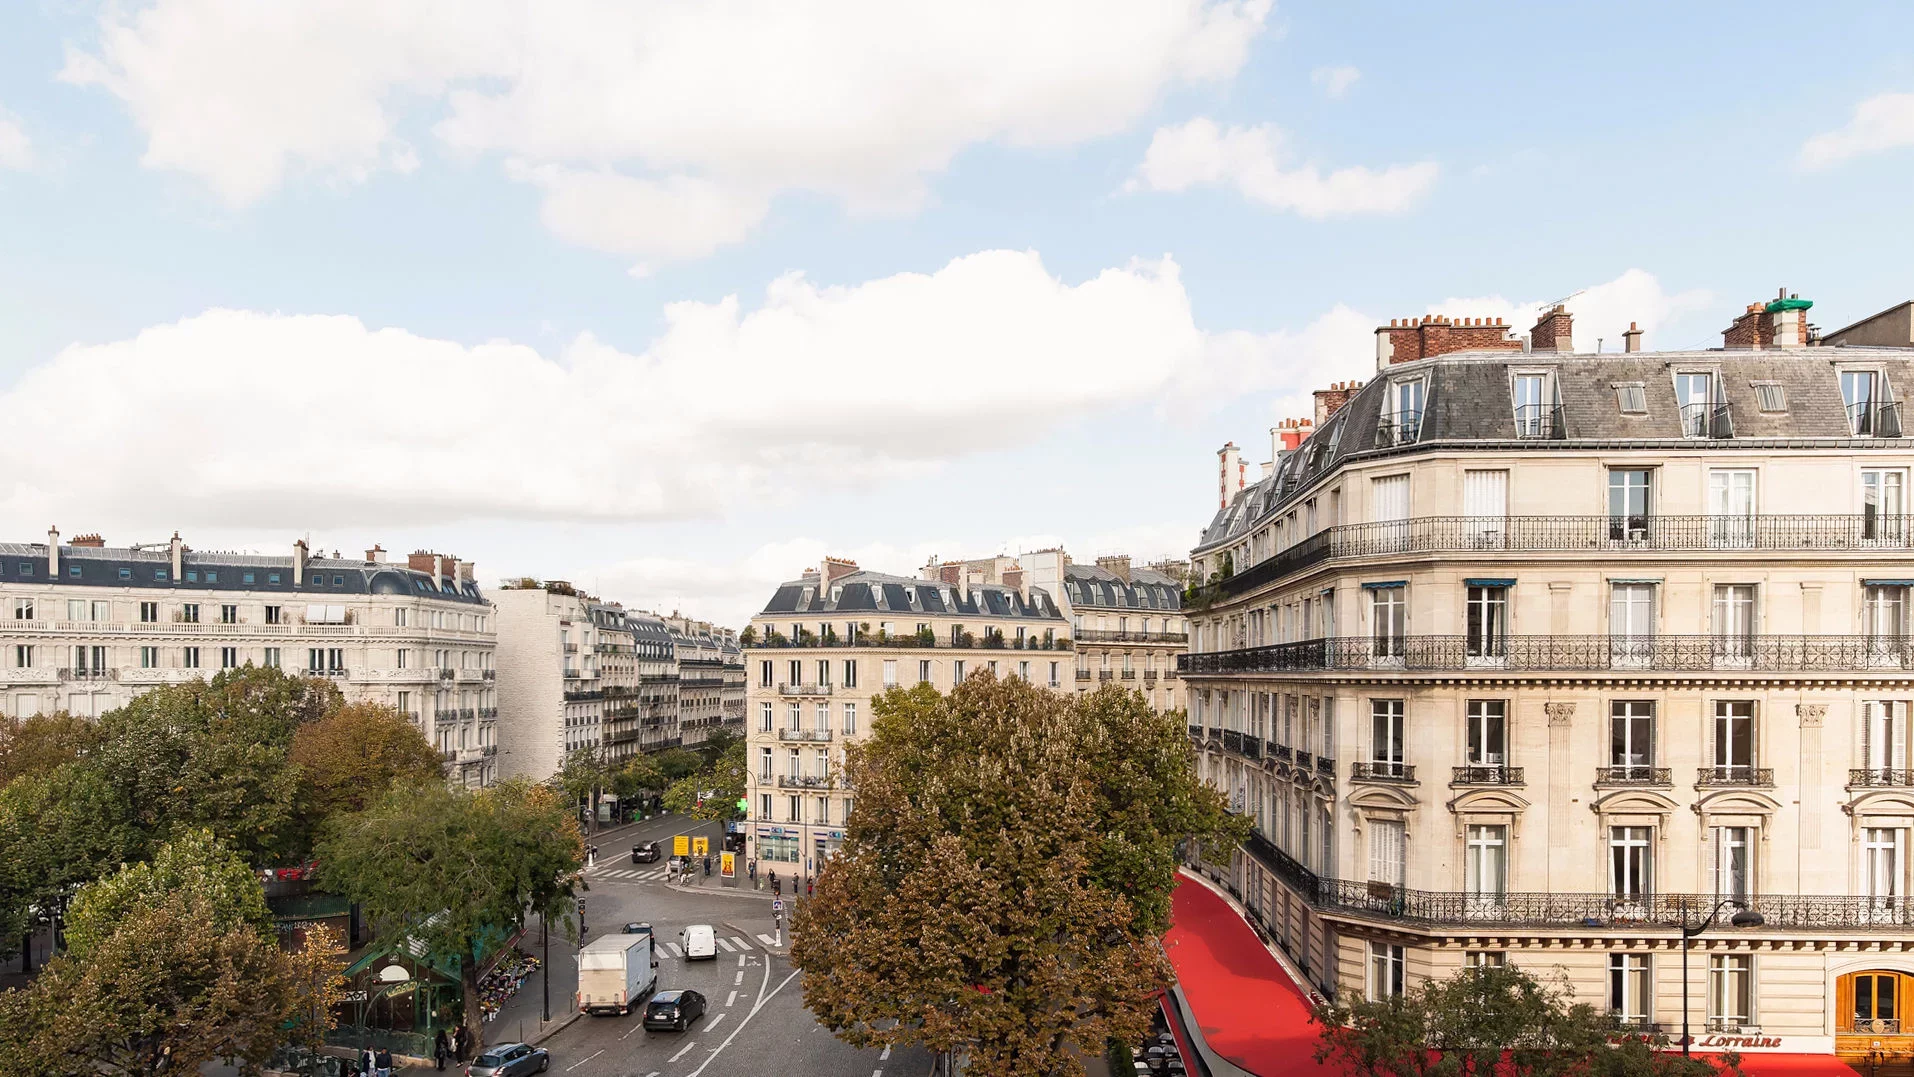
[(441, 1049), (807, 887), (385, 1062), (777, 888), (368, 1062), (461, 1044), (707, 865)]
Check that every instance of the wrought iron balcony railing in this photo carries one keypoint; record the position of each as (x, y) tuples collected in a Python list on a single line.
[(1539, 422), (804, 734), (1668, 912), (1634, 774), (1412, 654), (1619, 533), (1281, 752), (1232, 740), (1375, 771), (1875, 418), (1880, 776), (785, 689), (1400, 428), (1708, 420), (1325, 766), (1117, 636), (805, 781), (1487, 774), (1304, 760), (1083, 674), (1734, 774)]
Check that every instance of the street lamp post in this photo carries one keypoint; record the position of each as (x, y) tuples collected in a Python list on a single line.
[(1744, 918)]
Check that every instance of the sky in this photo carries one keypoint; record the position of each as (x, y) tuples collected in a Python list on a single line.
[(672, 299)]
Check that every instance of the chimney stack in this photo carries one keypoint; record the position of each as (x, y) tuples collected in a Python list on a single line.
[(53, 553), (1404, 340), (836, 568), (1330, 401), (1632, 340), (1780, 323), (91, 540), (1118, 565), (1229, 473), (376, 555), (179, 558), (298, 563), (1554, 331)]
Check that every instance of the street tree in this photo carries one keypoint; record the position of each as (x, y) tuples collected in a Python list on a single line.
[(225, 889), (713, 791), (349, 758), (167, 990), (975, 905), (455, 869), (637, 776), (58, 830), (678, 763), (580, 777), (1499, 1020), (38, 744)]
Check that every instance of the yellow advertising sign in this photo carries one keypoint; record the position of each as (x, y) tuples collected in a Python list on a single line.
[(701, 846), (730, 862), (680, 846)]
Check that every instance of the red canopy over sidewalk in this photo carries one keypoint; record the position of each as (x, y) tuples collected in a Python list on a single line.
[(1250, 1011)]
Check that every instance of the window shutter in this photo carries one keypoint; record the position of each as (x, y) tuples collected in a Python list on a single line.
[(1897, 726)]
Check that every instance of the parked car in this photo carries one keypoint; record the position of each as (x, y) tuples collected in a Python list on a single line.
[(645, 852), (638, 927), (674, 1010), (509, 1060), (701, 942)]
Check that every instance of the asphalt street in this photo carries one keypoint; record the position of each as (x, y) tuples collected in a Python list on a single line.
[(756, 1025)]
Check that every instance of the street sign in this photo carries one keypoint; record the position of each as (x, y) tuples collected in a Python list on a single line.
[(701, 846), (680, 846), (777, 905), (729, 864)]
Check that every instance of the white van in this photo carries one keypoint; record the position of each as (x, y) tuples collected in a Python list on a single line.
[(701, 942)]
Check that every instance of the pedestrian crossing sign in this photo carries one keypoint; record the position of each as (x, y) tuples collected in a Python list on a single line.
[(701, 846), (681, 846)]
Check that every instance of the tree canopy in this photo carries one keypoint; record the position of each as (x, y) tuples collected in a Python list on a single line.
[(225, 889), (1497, 1020), (712, 791), (350, 756), (38, 744), (455, 868), (999, 890)]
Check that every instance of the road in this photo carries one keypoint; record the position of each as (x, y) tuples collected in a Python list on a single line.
[(756, 1025)]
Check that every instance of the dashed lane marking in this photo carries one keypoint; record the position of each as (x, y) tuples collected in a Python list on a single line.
[(683, 1051), (713, 1023), (582, 1061), (740, 960), (740, 978), (886, 1056), (730, 999)]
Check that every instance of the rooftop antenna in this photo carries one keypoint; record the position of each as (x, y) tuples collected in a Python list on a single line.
[(1553, 303)]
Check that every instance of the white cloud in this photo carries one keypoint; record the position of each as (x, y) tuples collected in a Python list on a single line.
[(859, 99), (1335, 81), (1882, 122), (16, 150), (673, 218), (813, 388), (1602, 311), (1249, 159)]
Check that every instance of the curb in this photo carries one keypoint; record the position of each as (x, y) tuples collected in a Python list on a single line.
[(561, 1025), (727, 891)]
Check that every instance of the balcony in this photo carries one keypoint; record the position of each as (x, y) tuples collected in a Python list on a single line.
[(90, 674), (1196, 733), (571, 648), (1631, 774), (1695, 654), (1400, 428), (1281, 753), (46, 675), (1128, 675), (1149, 676), (1083, 674), (1325, 766), (1734, 774), (1714, 420), (1875, 419), (1380, 771), (1880, 777), (1489, 774), (447, 674), (467, 714), (1620, 534), (1121, 636), (804, 734), (326, 673), (1304, 760), (803, 689), (1106, 674), (488, 675), (805, 781), (1539, 422)]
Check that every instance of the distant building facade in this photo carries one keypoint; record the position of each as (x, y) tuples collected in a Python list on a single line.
[(548, 676)]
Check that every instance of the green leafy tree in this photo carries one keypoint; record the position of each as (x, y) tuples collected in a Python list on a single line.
[(38, 744), (454, 868), (351, 756), (637, 776), (979, 903), (167, 990), (57, 831), (224, 888), (580, 778), (1495, 1020), (678, 763)]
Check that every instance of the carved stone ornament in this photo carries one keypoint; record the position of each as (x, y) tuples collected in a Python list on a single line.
[(1811, 713), (1559, 713)]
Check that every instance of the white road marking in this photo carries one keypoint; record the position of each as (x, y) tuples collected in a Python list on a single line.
[(682, 1051), (763, 997), (877, 1073), (740, 978), (766, 939), (725, 944), (674, 950), (740, 960), (886, 1056), (730, 999), (635, 1029), (654, 1073), (713, 1023), (742, 945), (582, 1061)]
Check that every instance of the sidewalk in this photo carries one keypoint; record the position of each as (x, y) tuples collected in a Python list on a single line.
[(521, 1017)]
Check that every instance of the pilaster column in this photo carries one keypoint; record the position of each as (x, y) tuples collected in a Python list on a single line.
[(1561, 867)]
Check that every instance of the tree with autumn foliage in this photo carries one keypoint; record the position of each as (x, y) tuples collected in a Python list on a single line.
[(351, 756), (456, 869), (1495, 1020), (1005, 875)]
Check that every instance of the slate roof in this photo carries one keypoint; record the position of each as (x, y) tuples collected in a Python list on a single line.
[(150, 569), (1090, 587), (877, 593), (1468, 404)]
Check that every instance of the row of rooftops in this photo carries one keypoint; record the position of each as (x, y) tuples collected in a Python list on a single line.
[(1461, 373), (989, 587)]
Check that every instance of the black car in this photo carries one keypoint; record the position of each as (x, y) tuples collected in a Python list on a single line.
[(674, 1010), (645, 852)]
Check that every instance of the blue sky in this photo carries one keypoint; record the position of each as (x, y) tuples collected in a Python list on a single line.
[(669, 302)]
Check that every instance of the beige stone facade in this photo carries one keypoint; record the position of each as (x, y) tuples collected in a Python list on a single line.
[(85, 627), (829, 641), (1542, 681), (548, 681)]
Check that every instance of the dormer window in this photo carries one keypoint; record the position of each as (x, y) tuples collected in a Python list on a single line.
[(1871, 410), (1402, 423), (1770, 398), (1703, 413), (1631, 398), (1536, 415)]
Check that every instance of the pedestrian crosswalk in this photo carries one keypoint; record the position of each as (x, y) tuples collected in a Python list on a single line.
[(629, 874), (732, 945)]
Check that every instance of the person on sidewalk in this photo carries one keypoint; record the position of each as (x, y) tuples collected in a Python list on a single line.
[(385, 1062), (441, 1049), (461, 1044), (369, 1062)]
